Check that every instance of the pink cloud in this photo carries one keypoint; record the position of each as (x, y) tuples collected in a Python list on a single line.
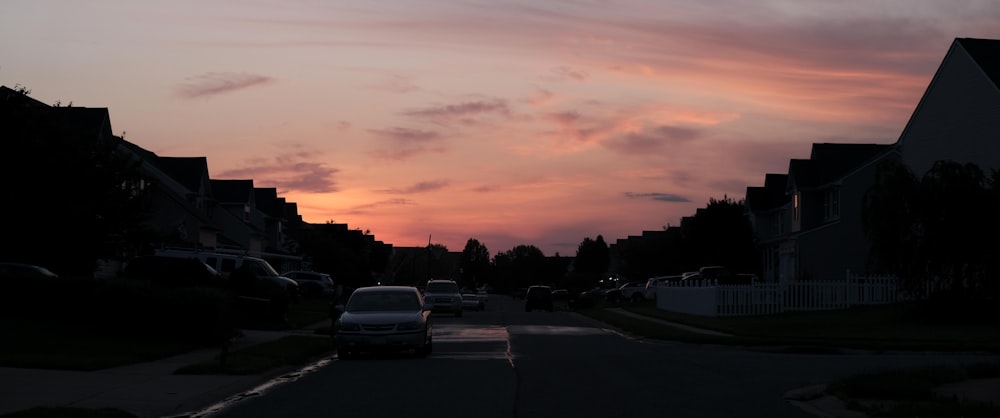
[(567, 73), (211, 84), (366, 208), (467, 113), (650, 141), (422, 187), (405, 143), (291, 172)]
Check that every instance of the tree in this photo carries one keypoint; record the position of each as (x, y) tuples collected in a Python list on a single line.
[(590, 265), (474, 264), (940, 230), (890, 220), (521, 266), (77, 196), (720, 234)]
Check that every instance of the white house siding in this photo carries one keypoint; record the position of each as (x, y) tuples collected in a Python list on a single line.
[(826, 253), (956, 119)]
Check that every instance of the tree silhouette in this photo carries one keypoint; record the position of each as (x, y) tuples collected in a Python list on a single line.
[(719, 234), (940, 230), (474, 264)]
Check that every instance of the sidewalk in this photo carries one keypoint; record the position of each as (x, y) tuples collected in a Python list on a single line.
[(143, 389)]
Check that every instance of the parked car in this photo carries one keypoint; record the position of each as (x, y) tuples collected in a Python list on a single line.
[(538, 297), (472, 302), (377, 318), (444, 296), (632, 291), (172, 271), (560, 294), (483, 295), (25, 271), (653, 282), (226, 264), (312, 283)]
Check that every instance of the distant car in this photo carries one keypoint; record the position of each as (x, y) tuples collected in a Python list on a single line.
[(25, 271), (560, 294), (312, 283), (483, 295), (383, 318), (472, 302), (172, 271), (444, 296), (538, 297)]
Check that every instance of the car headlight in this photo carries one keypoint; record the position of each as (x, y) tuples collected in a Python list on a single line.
[(348, 326), (408, 326)]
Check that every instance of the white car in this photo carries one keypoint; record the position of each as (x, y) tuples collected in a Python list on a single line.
[(444, 296), (633, 291), (383, 318), (650, 291)]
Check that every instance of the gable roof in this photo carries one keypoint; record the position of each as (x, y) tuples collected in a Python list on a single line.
[(829, 162), (232, 191), (771, 196), (986, 54), (268, 203), (188, 171)]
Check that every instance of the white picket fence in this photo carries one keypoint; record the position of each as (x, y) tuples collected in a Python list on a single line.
[(707, 298)]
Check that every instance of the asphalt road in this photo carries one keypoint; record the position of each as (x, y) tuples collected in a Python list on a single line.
[(505, 362)]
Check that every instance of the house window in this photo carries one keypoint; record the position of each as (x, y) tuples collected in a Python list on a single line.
[(831, 204), (795, 207)]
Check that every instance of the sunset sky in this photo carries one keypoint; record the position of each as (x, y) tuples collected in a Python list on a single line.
[(512, 122)]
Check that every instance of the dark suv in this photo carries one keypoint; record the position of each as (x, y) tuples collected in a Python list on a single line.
[(538, 297), (311, 283)]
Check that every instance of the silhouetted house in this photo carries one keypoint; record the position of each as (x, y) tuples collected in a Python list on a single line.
[(180, 204), (958, 117), (237, 200), (270, 217), (767, 209)]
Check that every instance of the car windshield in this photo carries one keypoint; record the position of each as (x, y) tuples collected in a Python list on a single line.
[(383, 301), (442, 287)]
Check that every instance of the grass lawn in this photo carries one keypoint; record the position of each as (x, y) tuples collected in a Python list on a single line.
[(72, 346), (886, 327), (69, 346)]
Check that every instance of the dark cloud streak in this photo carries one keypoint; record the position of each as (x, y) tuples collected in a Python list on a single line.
[(211, 84), (662, 197)]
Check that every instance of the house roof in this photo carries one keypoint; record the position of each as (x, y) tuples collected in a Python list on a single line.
[(771, 196), (267, 202), (232, 191), (188, 171), (8, 94), (829, 162), (986, 53)]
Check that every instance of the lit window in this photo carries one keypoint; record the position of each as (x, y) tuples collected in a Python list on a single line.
[(795, 207)]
